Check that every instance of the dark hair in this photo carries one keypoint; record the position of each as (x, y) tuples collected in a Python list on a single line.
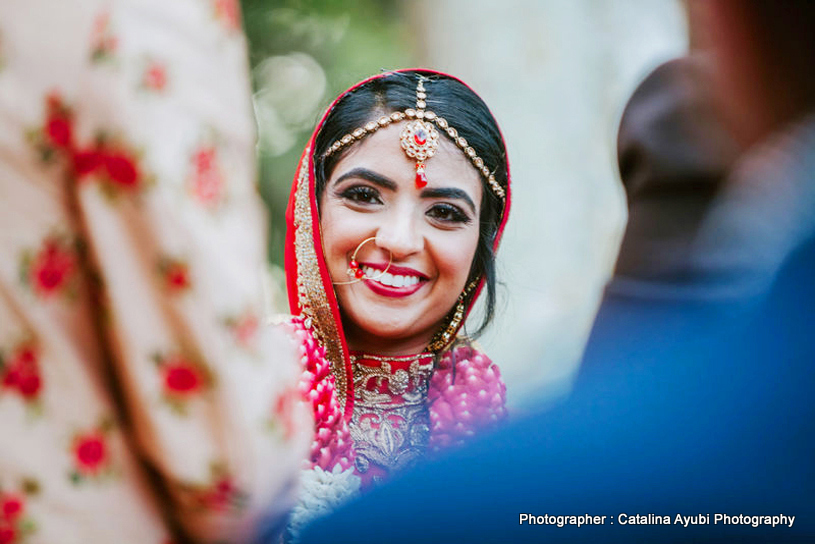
[(464, 110)]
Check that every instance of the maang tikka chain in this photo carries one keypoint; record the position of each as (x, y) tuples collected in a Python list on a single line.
[(422, 142), (419, 139)]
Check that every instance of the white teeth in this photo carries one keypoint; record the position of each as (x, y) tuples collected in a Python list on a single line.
[(390, 280)]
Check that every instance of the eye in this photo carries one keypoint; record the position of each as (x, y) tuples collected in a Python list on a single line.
[(448, 213), (361, 194)]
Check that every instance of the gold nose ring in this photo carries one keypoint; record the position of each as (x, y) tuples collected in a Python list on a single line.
[(356, 272)]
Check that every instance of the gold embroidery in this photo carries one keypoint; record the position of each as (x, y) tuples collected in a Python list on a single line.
[(310, 290), (390, 429)]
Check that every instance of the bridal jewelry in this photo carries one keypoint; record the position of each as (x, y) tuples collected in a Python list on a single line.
[(445, 336), (420, 139), (356, 272)]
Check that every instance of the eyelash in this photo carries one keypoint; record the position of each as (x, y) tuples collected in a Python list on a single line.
[(362, 194), (441, 212), (453, 214)]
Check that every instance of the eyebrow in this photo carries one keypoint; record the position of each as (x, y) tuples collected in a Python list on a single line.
[(448, 192), (369, 175), (387, 183)]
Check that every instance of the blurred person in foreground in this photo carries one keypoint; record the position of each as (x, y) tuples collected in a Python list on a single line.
[(688, 414), (139, 394)]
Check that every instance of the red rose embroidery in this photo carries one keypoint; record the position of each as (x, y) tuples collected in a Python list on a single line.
[(90, 453), (8, 534), (56, 132), (52, 267), (176, 274), (87, 162), (118, 164), (11, 507), (15, 525), (21, 373), (122, 170), (207, 180), (181, 378), (30, 385), (59, 132), (222, 494), (155, 77)]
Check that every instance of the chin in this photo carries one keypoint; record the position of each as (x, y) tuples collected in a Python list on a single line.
[(391, 337)]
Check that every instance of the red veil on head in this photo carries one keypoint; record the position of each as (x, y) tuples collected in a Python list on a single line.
[(311, 293)]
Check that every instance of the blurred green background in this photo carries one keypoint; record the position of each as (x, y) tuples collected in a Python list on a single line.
[(303, 53)]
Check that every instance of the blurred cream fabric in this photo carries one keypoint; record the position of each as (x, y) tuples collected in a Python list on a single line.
[(131, 251)]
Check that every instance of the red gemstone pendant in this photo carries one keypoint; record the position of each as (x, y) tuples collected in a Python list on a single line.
[(421, 177), (420, 137)]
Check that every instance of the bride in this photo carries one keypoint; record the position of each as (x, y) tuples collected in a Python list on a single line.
[(396, 211)]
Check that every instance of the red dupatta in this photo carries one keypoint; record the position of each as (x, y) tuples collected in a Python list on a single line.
[(310, 291)]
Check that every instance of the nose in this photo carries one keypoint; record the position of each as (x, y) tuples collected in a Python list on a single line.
[(400, 235)]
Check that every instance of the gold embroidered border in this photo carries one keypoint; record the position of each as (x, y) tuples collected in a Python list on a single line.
[(310, 290), (419, 374)]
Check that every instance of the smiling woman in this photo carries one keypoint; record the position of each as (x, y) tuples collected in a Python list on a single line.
[(424, 241), (395, 215)]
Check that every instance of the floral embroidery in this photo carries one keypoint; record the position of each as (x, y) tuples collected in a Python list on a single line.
[(52, 269), (86, 161), (206, 181), (20, 373), (182, 379), (220, 494), (175, 274), (15, 525), (116, 165), (90, 451), (229, 13), (154, 76), (103, 42), (121, 169), (56, 133), (244, 328)]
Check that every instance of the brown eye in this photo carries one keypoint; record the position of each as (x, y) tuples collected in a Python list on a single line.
[(362, 194), (448, 213)]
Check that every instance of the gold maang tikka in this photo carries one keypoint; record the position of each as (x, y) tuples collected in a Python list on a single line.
[(423, 146), (419, 139)]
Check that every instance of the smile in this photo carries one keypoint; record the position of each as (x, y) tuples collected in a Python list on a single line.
[(391, 280), (396, 282)]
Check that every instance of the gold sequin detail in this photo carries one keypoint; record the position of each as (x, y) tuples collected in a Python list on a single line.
[(310, 290)]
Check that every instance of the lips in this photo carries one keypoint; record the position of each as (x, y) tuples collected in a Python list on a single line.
[(392, 281)]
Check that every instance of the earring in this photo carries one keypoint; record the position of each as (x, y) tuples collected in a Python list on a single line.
[(356, 272), (446, 335)]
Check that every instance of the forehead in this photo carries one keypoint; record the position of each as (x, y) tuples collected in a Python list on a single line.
[(383, 153)]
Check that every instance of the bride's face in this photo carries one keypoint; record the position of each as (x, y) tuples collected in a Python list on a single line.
[(431, 235)]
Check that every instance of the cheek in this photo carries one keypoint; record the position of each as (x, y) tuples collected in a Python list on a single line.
[(454, 257), (338, 240)]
